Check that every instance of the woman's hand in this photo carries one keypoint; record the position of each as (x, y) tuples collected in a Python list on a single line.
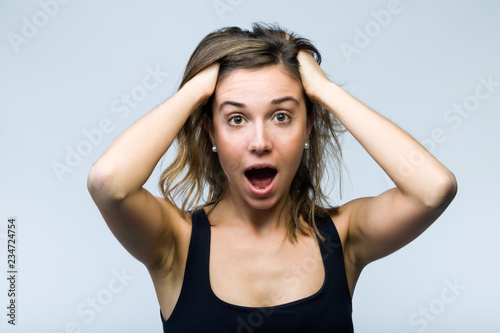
[(204, 82), (313, 77)]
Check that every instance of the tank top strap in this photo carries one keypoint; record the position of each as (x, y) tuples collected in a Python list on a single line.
[(196, 277), (333, 258), (327, 229), (199, 246)]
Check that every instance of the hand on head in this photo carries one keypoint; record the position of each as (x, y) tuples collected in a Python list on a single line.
[(206, 80), (312, 76)]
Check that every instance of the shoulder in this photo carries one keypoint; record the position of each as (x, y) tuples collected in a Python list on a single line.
[(341, 217)]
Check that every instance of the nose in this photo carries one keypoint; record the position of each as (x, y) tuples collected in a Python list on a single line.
[(259, 140)]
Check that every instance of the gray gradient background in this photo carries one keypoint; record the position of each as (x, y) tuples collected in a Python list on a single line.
[(65, 79)]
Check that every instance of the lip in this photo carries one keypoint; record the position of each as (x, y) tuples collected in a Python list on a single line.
[(261, 166), (268, 189)]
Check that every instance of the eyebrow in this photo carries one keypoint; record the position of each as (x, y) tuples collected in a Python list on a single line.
[(273, 102), (284, 99)]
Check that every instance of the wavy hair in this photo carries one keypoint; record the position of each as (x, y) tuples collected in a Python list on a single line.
[(195, 167)]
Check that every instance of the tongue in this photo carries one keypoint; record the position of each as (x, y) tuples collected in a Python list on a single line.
[(261, 177)]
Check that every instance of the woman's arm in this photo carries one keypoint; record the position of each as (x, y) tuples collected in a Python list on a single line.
[(140, 221), (424, 188)]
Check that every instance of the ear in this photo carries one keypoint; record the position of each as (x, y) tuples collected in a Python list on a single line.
[(310, 124), (207, 123)]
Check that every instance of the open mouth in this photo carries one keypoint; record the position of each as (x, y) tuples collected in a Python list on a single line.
[(261, 177)]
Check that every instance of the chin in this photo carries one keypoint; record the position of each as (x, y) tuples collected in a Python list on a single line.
[(263, 204)]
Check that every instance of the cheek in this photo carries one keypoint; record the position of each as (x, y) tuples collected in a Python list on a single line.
[(293, 149), (229, 154), (296, 151)]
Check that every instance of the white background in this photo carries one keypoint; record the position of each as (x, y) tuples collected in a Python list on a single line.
[(63, 71)]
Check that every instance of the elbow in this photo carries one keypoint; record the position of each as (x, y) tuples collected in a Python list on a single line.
[(102, 185), (444, 191)]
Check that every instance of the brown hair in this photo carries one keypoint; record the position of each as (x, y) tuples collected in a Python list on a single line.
[(197, 166)]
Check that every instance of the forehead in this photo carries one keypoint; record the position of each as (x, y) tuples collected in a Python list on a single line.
[(264, 84)]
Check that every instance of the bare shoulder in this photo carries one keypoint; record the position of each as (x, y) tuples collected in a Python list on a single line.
[(342, 218)]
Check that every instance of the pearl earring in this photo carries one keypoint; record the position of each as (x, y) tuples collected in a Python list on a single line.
[(214, 149), (306, 145)]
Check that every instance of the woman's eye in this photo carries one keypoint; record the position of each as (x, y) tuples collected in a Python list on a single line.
[(282, 118), (236, 120)]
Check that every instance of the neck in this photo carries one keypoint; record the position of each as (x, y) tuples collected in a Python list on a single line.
[(234, 211)]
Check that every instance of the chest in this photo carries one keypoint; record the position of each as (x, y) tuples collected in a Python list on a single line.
[(253, 273)]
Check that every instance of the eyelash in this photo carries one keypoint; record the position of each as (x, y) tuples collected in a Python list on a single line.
[(233, 117), (288, 117)]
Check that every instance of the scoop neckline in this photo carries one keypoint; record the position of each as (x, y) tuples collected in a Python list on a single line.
[(251, 308)]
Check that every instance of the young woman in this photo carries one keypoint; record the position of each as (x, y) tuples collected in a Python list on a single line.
[(256, 120)]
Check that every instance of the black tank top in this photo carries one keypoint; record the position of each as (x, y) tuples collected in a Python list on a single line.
[(198, 309)]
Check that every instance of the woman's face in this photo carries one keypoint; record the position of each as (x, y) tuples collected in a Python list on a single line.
[(259, 128)]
